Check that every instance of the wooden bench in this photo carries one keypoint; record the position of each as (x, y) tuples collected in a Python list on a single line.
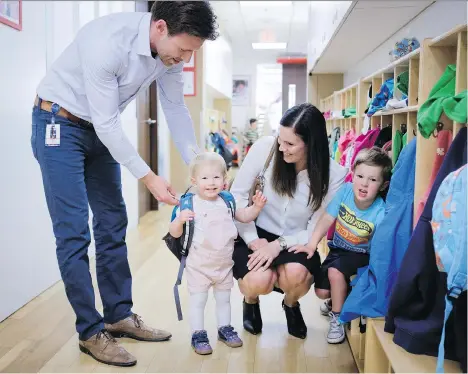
[(382, 355), (357, 343)]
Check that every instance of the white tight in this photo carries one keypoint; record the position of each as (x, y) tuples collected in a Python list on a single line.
[(197, 308)]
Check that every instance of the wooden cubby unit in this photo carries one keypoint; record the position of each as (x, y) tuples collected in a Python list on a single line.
[(376, 352)]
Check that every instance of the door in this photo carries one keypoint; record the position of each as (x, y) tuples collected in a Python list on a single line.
[(147, 133)]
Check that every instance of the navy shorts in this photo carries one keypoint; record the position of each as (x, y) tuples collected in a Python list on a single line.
[(346, 262)]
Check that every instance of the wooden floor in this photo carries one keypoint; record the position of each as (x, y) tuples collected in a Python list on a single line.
[(41, 336)]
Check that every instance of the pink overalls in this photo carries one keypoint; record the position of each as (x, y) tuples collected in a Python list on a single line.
[(209, 262)]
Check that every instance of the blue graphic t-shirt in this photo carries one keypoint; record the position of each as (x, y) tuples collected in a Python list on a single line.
[(354, 227)]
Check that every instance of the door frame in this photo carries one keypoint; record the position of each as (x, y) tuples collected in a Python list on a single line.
[(147, 109)]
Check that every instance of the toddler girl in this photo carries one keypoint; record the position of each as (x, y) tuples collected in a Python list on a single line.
[(209, 261)]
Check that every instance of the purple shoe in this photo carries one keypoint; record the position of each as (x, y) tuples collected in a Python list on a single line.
[(229, 337), (200, 343)]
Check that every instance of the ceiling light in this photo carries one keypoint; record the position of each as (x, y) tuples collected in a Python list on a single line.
[(269, 45), (265, 3)]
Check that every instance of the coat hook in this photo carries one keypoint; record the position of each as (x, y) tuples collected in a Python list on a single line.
[(438, 129)]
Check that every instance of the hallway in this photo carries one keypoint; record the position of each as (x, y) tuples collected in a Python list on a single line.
[(40, 337)]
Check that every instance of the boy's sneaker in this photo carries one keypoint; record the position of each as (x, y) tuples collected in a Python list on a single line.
[(200, 343), (229, 336), (336, 333), (326, 307)]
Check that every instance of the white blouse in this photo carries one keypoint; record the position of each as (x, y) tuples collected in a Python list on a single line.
[(291, 218)]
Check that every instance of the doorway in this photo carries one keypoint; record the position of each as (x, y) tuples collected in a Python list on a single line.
[(147, 118)]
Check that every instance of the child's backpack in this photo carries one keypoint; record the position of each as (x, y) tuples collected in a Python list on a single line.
[(403, 47), (448, 223), (180, 246)]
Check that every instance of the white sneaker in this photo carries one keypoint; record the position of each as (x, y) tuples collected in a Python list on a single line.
[(336, 333), (326, 308)]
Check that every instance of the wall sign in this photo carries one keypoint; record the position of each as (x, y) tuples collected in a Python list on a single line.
[(189, 74)]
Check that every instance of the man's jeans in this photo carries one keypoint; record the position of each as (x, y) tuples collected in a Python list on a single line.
[(77, 172)]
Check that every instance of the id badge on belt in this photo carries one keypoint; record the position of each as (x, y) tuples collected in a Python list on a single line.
[(52, 135)]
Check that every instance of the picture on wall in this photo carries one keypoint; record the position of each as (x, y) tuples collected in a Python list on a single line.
[(11, 13), (190, 80), (240, 91), (189, 83)]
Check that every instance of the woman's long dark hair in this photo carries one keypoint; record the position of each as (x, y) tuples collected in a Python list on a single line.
[(309, 124)]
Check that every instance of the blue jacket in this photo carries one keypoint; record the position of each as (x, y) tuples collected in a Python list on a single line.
[(417, 304), (369, 296)]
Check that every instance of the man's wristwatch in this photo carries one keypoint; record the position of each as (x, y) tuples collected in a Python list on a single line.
[(282, 243)]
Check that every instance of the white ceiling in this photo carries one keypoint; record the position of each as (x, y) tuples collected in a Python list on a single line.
[(370, 21), (243, 26)]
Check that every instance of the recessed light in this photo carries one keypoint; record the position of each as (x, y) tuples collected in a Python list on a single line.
[(269, 45)]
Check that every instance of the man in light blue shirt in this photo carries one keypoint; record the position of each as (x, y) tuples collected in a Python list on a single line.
[(78, 140)]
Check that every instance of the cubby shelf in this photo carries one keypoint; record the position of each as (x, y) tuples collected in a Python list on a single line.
[(425, 67)]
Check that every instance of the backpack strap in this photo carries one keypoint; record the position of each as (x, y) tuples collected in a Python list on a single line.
[(186, 202), (230, 201)]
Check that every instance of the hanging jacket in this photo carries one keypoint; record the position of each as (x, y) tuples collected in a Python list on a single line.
[(416, 308), (441, 99), (345, 139), (372, 288), (335, 135), (450, 243), (444, 139), (363, 141), (397, 146), (384, 136)]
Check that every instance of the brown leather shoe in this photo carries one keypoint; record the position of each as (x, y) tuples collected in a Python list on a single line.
[(104, 348), (133, 327)]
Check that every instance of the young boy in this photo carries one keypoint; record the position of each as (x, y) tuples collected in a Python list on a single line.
[(358, 210)]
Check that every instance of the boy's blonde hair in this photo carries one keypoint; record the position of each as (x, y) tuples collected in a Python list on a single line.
[(207, 158), (375, 156)]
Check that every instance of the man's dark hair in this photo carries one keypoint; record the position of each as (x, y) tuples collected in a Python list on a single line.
[(252, 120), (194, 18)]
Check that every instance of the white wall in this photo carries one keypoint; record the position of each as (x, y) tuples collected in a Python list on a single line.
[(27, 263), (245, 66), (324, 18), (218, 65), (164, 159), (437, 19)]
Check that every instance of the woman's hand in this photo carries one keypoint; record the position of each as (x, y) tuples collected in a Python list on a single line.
[(303, 248), (264, 256), (257, 243)]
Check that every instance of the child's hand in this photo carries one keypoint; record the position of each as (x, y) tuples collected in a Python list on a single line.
[(186, 215), (303, 248), (259, 200)]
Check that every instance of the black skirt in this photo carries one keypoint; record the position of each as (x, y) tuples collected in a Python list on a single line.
[(242, 252)]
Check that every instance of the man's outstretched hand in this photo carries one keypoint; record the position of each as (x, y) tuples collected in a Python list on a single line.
[(160, 188)]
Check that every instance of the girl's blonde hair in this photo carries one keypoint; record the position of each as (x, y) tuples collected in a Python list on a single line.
[(207, 158)]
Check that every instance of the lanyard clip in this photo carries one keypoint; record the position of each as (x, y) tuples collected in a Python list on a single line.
[(55, 109)]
